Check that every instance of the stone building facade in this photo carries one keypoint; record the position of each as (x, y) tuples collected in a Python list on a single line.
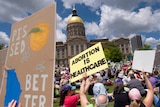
[(76, 41), (124, 45)]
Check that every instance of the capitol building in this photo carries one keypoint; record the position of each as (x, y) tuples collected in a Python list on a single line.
[(76, 41)]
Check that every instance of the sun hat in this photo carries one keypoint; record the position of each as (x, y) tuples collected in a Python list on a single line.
[(68, 87), (120, 75), (134, 94)]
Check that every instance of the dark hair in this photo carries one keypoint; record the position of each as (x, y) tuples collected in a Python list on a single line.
[(63, 94), (118, 88), (132, 76)]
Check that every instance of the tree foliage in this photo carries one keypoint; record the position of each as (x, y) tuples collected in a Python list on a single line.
[(112, 52), (116, 55), (145, 47), (107, 53)]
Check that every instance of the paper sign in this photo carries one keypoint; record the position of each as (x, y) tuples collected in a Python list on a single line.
[(30, 60), (143, 60), (91, 60)]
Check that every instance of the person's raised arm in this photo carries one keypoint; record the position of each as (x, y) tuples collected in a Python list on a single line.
[(148, 100), (83, 98)]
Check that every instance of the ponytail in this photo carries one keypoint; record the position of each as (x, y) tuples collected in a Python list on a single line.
[(63, 94), (134, 104)]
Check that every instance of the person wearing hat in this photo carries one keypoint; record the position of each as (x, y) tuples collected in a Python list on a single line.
[(135, 83), (68, 98), (119, 78), (135, 95)]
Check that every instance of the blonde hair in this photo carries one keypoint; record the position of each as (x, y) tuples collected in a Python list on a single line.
[(134, 104)]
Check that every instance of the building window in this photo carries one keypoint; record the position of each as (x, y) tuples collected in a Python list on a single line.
[(126, 50), (82, 47), (57, 53), (77, 49), (62, 53), (122, 45), (72, 50), (122, 50)]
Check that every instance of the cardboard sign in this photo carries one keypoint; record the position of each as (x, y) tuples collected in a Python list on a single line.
[(144, 60), (91, 61), (30, 60), (3, 54)]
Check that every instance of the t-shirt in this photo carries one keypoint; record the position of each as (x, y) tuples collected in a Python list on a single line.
[(90, 105), (135, 83), (98, 89), (71, 101), (153, 81), (90, 89), (122, 99)]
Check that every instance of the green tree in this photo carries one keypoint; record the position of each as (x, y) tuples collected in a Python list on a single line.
[(112, 52), (110, 45), (145, 47), (107, 53), (116, 55)]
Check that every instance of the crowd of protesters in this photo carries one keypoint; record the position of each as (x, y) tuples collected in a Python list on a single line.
[(132, 88)]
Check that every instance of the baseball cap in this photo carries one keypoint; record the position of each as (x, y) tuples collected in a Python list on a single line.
[(68, 87), (134, 94)]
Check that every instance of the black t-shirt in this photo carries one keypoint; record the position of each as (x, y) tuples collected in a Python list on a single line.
[(121, 100), (90, 89)]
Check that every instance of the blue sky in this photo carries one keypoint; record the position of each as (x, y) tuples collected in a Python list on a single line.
[(102, 18)]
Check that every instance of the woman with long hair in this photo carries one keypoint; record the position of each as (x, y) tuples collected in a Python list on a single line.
[(121, 98), (68, 98)]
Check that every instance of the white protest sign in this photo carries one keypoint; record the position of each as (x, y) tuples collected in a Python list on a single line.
[(143, 60)]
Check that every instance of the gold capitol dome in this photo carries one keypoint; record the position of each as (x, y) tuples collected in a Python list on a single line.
[(75, 18)]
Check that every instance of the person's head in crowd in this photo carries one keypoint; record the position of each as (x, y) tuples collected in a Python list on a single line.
[(135, 97), (118, 88), (101, 100), (99, 79), (120, 75), (100, 95), (64, 82), (66, 90), (132, 76), (155, 73)]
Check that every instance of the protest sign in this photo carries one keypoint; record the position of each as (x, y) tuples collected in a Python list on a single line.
[(91, 60), (3, 54), (144, 60), (30, 60)]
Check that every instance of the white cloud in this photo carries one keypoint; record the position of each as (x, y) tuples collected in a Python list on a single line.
[(61, 26), (17, 9), (121, 4), (4, 38), (120, 22), (152, 42), (116, 17)]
